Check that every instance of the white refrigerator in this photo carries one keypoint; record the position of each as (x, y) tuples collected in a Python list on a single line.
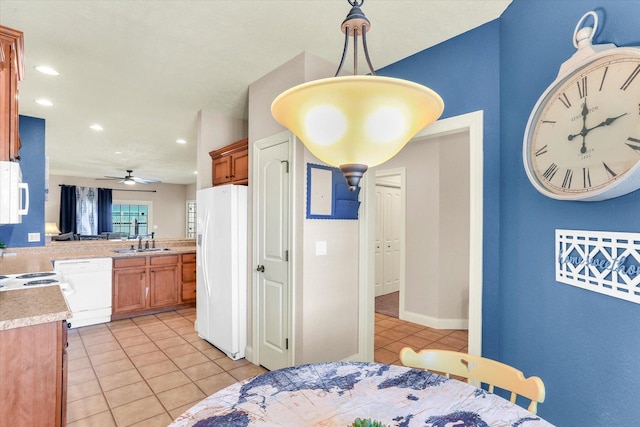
[(221, 268)]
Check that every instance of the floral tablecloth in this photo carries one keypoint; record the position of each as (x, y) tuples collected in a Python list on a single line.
[(335, 394)]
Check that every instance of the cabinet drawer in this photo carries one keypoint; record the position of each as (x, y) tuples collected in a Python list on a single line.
[(188, 291), (163, 260), (189, 257), (189, 272), (129, 262)]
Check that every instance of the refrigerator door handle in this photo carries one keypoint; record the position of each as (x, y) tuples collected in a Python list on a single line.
[(205, 272)]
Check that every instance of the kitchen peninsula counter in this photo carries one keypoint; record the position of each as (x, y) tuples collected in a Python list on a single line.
[(28, 307), (40, 258)]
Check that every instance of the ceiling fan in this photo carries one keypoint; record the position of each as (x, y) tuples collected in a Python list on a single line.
[(130, 179)]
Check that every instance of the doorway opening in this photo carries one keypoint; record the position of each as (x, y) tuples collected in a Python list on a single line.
[(390, 217), (471, 125)]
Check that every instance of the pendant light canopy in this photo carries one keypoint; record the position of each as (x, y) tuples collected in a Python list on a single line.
[(356, 122)]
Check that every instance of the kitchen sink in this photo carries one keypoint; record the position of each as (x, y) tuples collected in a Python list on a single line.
[(133, 250)]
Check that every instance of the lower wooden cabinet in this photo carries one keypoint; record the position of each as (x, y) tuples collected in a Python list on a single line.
[(189, 277), (130, 285), (149, 284), (163, 281), (33, 375)]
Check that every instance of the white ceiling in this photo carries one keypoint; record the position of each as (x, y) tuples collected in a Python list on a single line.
[(143, 69)]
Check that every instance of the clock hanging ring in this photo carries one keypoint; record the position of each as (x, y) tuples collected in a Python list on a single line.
[(582, 140)]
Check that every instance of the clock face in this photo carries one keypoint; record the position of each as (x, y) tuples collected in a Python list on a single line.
[(584, 134)]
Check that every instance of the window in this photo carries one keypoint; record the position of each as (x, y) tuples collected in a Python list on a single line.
[(131, 218), (191, 219)]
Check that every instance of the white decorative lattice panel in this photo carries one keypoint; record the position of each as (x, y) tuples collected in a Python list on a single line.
[(600, 261)]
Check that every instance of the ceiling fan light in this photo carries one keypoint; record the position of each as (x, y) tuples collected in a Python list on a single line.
[(129, 181)]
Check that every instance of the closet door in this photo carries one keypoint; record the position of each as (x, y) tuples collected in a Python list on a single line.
[(379, 241), (391, 207), (388, 209)]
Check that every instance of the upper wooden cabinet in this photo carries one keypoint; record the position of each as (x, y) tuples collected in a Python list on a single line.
[(230, 164), (11, 71)]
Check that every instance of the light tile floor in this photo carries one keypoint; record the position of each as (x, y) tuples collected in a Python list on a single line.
[(392, 334), (147, 370), (144, 371)]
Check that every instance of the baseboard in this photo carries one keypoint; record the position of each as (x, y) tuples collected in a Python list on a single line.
[(353, 358), (434, 322), (248, 353)]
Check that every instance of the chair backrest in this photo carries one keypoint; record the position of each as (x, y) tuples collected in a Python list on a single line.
[(477, 368)]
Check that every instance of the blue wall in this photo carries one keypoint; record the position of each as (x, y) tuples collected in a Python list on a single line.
[(584, 345), (465, 72), (32, 163)]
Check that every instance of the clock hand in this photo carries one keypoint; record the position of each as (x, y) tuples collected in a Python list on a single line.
[(584, 131), (606, 122)]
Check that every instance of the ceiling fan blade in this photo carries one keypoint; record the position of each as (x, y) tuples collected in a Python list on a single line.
[(109, 178), (145, 181)]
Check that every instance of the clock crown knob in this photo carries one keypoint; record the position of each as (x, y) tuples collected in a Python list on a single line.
[(584, 36)]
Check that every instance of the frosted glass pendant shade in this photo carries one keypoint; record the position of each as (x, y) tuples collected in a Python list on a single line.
[(362, 120)]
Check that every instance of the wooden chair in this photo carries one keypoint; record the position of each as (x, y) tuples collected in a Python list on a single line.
[(476, 368)]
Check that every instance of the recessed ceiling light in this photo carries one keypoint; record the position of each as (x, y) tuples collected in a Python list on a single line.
[(45, 69), (96, 127), (44, 102), (195, 172), (118, 152), (181, 141)]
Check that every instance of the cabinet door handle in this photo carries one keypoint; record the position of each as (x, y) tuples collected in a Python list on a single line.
[(260, 268)]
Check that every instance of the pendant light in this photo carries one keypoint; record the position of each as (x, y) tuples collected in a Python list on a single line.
[(356, 122)]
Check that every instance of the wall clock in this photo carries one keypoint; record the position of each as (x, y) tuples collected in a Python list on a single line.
[(582, 140)]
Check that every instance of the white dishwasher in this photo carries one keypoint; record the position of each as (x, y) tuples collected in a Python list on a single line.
[(91, 280)]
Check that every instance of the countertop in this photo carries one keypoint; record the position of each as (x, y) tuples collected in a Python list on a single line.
[(27, 307), (40, 258)]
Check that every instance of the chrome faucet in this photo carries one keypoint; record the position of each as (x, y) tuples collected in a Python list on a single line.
[(140, 242)]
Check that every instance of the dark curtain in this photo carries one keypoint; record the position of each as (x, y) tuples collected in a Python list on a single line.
[(105, 201), (67, 209)]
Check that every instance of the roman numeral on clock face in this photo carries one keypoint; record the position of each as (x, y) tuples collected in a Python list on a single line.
[(566, 183), (586, 177), (582, 87), (609, 170), (633, 75), (565, 100), (633, 143), (550, 172), (541, 151)]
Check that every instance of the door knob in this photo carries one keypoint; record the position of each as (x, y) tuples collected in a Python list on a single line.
[(260, 268)]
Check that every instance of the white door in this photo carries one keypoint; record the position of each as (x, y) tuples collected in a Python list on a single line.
[(388, 230), (392, 247), (379, 242), (272, 256)]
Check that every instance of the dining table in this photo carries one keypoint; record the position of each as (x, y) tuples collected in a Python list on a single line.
[(337, 393)]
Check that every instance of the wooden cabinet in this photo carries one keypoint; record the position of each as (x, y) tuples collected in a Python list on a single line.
[(130, 287), (163, 281), (145, 285), (230, 164), (33, 390), (188, 277), (11, 71)]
